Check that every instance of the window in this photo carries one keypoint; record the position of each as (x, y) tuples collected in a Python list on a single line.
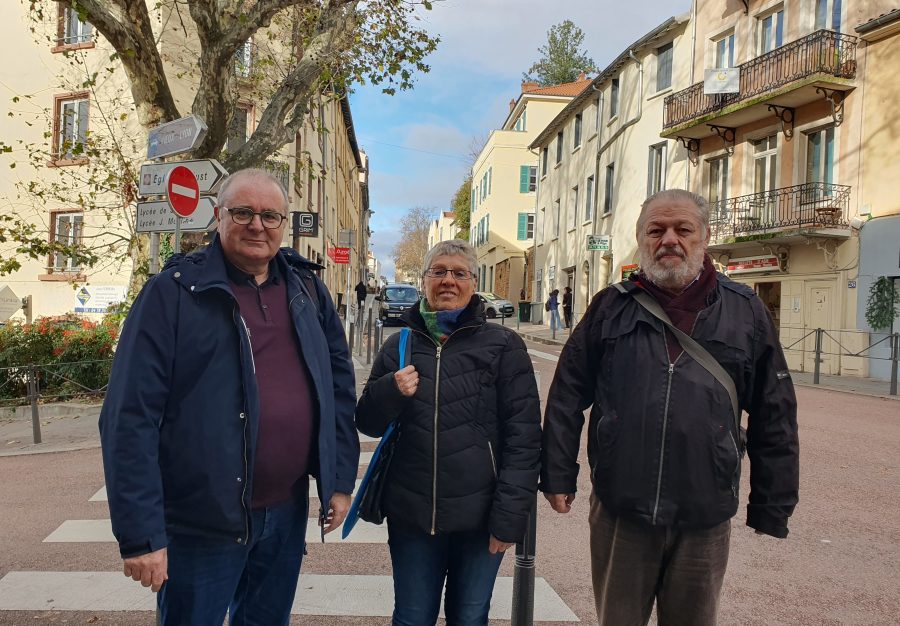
[(771, 31), (724, 51), (71, 126), (577, 130), (489, 178), (544, 162), (557, 216), (527, 178), (765, 178), (242, 59), (525, 229), (237, 130), (559, 147), (67, 228), (542, 225), (473, 203), (614, 98), (72, 31), (610, 182), (656, 169), (717, 190), (828, 14), (820, 156), (572, 215), (664, 67), (521, 122), (589, 199)]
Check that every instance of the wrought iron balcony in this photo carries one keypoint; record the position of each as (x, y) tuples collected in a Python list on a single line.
[(806, 206), (822, 52)]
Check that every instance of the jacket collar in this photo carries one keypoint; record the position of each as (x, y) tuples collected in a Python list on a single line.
[(472, 315)]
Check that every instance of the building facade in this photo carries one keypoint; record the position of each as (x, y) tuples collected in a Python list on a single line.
[(442, 228)]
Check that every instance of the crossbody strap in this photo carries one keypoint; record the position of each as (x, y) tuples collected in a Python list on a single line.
[(690, 345), (402, 348)]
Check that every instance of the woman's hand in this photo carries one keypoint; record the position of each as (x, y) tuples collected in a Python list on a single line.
[(498, 546), (407, 380)]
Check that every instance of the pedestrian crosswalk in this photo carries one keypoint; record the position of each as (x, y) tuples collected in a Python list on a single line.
[(321, 594)]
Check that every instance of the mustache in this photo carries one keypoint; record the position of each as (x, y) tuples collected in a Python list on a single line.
[(666, 250)]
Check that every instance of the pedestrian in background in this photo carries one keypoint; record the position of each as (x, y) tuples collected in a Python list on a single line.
[(567, 306), (665, 446), (361, 292), (232, 384), (553, 307), (465, 467)]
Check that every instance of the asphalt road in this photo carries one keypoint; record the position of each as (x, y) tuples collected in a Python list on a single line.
[(840, 565)]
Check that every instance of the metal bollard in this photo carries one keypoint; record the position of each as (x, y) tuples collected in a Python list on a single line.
[(502, 318), (523, 573), (895, 355), (369, 339), (34, 392), (351, 338), (818, 367)]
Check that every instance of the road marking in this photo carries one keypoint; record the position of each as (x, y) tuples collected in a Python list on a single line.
[(317, 594), (543, 355), (100, 531)]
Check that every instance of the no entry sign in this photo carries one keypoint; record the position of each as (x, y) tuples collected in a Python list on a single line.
[(183, 190)]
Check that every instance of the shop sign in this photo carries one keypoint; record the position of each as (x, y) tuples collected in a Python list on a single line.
[(753, 264), (599, 242), (628, 270)]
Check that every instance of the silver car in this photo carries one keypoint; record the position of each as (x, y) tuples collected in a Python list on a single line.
[(495, 306)]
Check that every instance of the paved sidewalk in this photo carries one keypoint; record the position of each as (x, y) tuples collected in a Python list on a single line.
[(849, 384)]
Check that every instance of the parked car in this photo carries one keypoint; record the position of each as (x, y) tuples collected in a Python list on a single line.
[(495, 306), (394, 300)]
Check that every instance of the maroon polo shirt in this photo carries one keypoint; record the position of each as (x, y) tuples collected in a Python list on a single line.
[(287, 426)]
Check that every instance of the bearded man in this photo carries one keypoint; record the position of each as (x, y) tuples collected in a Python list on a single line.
[(664, 444)]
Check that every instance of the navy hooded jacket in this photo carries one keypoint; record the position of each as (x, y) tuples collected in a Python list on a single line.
[(180, 420)]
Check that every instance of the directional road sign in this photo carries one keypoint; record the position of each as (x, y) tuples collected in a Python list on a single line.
[(175, 137), (208, 172), (157, 217), (9, 303), (183, 191)]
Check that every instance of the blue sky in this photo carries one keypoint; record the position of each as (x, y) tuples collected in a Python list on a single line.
[(418, 141)]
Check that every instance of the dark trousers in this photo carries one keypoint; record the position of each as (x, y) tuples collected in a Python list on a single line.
[(567, 316), (255, 582), (421, 562), (634, 564)]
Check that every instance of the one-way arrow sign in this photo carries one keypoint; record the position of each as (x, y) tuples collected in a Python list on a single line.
[(208, 172), (157, 217)]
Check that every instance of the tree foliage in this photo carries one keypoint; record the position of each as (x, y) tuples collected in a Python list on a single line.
[(409, 252), (562, 59), (462, 206), (883, 303)]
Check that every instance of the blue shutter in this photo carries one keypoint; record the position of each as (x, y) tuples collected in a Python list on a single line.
[(524, 174), (522, 232)]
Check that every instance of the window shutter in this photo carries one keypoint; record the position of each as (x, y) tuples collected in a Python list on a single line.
[(522, 233), (524, 174), (82, 120)]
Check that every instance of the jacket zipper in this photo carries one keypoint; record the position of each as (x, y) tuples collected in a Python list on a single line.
[(246, 423), (437, 378), (662, 443), (597, 438), (493, 461)]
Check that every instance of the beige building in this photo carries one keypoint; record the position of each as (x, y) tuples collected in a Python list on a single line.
[(72, 122), (600, 157), (774, 124), (442, 228), (504, 181)]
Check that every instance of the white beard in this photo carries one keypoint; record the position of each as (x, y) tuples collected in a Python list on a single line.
[(672, 278)]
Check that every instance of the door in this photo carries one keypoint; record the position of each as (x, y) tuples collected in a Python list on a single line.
[(765, 179), (819, 300)]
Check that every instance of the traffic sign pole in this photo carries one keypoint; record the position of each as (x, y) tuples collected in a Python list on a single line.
[(177, 246)]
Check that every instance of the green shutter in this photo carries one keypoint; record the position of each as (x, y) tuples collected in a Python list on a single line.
[(524, 176), (522, 233)]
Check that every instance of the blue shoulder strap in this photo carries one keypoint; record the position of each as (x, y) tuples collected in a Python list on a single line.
[(404, 338)]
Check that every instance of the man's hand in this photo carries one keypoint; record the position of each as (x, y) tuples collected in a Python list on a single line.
[(561, 502), (337, 511), (498, 546), (151, 569)]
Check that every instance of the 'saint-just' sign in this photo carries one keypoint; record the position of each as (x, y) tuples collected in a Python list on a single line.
[(208, 172)]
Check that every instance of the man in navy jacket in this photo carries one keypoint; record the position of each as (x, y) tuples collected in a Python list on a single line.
[(232, 384)]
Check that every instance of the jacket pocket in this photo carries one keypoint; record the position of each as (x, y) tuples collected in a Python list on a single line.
[(605, 435), (727, 461)]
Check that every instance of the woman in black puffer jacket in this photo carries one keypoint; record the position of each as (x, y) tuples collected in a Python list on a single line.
[(465, 467)]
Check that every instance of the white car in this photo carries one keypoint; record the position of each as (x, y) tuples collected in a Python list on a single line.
[(495, 306)]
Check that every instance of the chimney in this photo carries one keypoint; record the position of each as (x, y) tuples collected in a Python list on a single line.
[(512, 105), (582, 76), (529, 85)]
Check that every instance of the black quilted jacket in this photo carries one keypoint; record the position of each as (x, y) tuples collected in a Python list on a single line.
[(470, 438)]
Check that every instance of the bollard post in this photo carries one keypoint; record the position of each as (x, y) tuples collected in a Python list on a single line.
[(523, 573), (895, 355), (352, 336), (818, 365), (369, 339), (502, 318), (34, 392), (552, 328)]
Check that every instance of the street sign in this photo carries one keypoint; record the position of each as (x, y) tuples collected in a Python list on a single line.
[(183, 191), (175, 137), (9, 303), (599, 242), (208, 172), (157, 216), (305, 224), (346, 238)]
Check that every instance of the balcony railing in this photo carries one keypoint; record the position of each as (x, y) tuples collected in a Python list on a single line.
[(821, 52), (810, 205)]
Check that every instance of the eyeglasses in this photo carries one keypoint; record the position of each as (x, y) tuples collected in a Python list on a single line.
[(270, 219), (440, 272)]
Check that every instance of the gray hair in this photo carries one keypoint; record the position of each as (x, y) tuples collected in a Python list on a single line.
[(674, 195), (453, 247), (255, 174)]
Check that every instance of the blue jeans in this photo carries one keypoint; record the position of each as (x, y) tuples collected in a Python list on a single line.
[(555, 324), (422, 562), (255, 583)]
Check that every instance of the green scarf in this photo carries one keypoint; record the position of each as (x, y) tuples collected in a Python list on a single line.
[(440, 324)]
